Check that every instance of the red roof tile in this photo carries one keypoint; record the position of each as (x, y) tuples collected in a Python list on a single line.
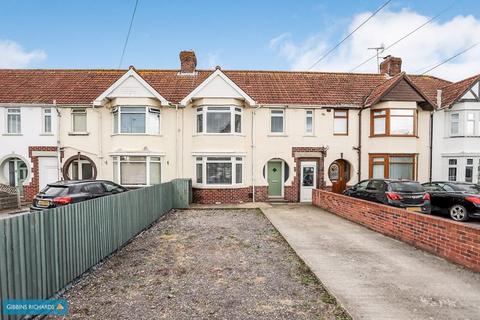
[(265, 87), (454, 91)]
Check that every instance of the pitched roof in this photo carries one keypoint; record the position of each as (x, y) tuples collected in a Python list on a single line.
[(72, 87), (451, 93)]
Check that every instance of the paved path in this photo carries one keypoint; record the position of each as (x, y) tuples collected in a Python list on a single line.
[(373, 276)]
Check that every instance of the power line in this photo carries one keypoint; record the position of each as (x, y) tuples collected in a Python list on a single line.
[(406, 36), (128, 35), (348, 36), (452, 57)]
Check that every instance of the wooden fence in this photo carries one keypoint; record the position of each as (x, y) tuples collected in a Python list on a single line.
[(41, 253)]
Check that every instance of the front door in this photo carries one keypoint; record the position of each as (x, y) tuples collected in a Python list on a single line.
[(48, 171), (308, 180), (339, 174), (274, 177)]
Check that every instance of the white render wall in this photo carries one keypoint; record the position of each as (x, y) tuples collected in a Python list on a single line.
[(31, 135)]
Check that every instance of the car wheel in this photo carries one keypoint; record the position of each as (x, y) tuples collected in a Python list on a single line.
[(458, 213)]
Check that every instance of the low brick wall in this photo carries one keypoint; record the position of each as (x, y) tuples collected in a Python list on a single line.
[(228, 195), (8, 201), (454, 241)]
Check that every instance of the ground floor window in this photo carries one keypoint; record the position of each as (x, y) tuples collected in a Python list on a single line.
[(393, 166), (137, 171), (220, 170), (15, 171)]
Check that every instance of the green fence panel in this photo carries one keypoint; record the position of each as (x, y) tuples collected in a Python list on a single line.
[(41, 253)]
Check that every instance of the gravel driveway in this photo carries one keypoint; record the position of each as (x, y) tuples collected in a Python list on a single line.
[(204, 264)]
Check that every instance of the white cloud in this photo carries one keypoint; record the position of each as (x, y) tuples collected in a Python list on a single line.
[(428, 46), (12, 55)]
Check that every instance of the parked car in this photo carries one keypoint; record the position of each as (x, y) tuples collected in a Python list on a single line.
[(71, 191), (460, 200), (405, 194)]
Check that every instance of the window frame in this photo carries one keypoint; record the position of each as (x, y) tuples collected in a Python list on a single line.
[(452, 166), (388, 119), (234, 161), (458, 121), (117, 161), (46, 115), (335, 116), (13, 112), (309, 114), (117, 112), (203, 112), (73, 113), (277, 116), (386, 163)]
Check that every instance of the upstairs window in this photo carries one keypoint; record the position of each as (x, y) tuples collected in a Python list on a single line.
[(394, 122), (47, 120), (133, 120), (222, 170), (454, 124), (14, 123), (309, 122), (225, 119), (340, 122), (277, 121), (79, 120), (470, 129)]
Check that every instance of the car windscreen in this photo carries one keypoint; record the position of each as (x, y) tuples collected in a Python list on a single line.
[(406, 187), (468, 188), (54, 191)]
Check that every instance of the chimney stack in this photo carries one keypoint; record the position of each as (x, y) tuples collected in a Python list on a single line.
[(188, 62), (391, 66)]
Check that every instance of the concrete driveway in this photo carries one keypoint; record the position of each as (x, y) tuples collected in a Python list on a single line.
[(373, 276)]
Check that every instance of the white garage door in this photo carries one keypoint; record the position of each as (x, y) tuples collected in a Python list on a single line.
[(48, 170)]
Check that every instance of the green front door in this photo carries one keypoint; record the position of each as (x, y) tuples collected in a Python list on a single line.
[(275, 178)]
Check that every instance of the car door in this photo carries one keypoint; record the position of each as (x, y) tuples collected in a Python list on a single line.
[(437, 195), (375, 191), (359, 190), (95, 190)]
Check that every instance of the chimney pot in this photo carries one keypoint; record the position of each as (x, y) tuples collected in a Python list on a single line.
[(188, 61), (391, 66)]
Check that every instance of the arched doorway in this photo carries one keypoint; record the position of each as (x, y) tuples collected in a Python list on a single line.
[(79, 167), (339, 175), (276, 172)]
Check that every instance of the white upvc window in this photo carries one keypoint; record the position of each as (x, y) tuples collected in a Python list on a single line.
[(309, 120), (277, 121), (219, 120), (14, 121), (79, 120), (469, 170), (137, 171), (470, 127), (47, 120), (219, 170), (455, 124), (136, 120), (452, 169)]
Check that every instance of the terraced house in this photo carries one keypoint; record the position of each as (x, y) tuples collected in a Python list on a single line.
[(239, 135)]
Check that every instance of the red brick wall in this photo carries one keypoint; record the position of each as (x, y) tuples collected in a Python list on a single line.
[(32, 188), (455, 241), (236, 195)]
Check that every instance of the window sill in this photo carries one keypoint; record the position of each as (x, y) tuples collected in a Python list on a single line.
[(462, 137), (219, 134), (309, 136), (393, 136), (277, 135), (79, 133), (46, 134), (13, 134), (218, 186)]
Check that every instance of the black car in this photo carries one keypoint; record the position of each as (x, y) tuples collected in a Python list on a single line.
[(460, 200), (71, 191), (405, 194)]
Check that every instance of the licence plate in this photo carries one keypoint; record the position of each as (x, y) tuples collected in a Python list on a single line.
[(414, 209), (43, 203)]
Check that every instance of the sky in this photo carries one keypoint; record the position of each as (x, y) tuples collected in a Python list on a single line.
[(246, 35)]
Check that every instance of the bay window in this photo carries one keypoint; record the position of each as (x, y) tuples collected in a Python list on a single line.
[(392, 166), (470, 129), (14, 121), (136, 171), (221, 119), (340, 122), (136, 119), (394, 122), (454, 124), (277, 120), (219, 170)]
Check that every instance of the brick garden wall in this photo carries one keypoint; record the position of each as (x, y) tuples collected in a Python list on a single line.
[(8, 201), (236, 195), (454, 241)]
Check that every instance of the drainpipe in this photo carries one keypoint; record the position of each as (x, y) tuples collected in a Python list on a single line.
[(59, 176), (100, 140), (176, 142), (359, 147), (430, 167), (253, 152)]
